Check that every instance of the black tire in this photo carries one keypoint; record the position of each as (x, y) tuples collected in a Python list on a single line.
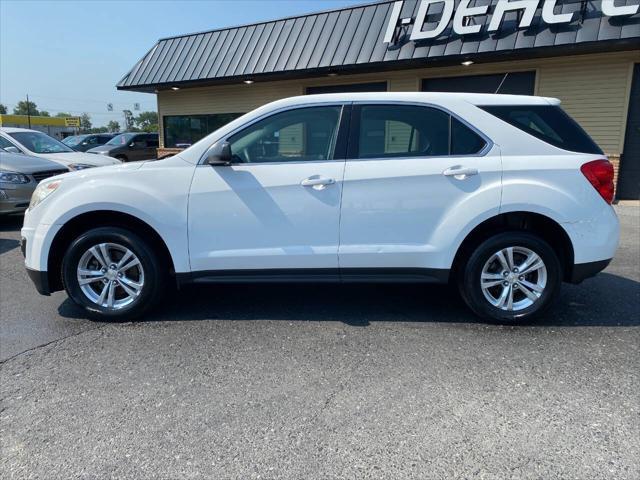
[(470, 275), (155, 273)]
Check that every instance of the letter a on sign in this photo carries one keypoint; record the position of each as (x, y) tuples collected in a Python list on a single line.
[(529, 7)]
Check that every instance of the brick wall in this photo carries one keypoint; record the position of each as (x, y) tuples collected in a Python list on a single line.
[(615, 160)]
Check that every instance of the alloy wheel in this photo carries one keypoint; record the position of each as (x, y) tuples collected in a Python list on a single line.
[(513, 278), (110, 275)]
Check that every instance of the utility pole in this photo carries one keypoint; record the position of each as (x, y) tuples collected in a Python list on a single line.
[(28, 112)]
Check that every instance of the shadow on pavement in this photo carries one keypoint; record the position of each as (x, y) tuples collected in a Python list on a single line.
[(11, 223), (589, 304), (8, 244)]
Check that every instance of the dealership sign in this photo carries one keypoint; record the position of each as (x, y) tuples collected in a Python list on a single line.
[(463, 16)]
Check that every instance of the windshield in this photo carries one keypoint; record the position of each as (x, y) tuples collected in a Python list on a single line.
[(39, 142), (122, 139), (74, 140)]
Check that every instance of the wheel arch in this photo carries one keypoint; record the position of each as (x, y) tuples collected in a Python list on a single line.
[(545, 227), (94, 219)]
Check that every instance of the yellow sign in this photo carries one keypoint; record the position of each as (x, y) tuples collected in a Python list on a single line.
[(72, 121)]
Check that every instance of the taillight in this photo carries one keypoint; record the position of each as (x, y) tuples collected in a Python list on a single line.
[(600, 175)]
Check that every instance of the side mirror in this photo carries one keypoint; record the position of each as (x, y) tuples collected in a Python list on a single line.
[(219, 155), (132, 144), (12, 149)]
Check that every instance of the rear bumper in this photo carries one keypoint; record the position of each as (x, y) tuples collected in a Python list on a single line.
[(40, 280), (582, 271)]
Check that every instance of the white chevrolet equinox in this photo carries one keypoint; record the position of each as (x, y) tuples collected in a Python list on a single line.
[(504, 196)]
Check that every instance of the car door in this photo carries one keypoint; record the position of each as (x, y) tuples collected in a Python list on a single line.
[(88, 143), (137, 148), (409, 170), (277, 206), (152, 147)]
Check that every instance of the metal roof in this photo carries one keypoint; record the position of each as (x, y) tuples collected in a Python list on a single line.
[(352, 40)]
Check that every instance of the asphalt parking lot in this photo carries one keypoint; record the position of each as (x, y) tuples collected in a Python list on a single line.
[(307, 381)]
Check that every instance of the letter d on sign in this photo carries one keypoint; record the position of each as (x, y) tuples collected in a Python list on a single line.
[(447, 12)]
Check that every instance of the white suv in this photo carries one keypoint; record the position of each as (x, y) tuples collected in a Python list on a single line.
[(505, 196)]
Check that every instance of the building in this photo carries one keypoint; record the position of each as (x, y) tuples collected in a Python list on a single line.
[(53, 126), (587, 53)]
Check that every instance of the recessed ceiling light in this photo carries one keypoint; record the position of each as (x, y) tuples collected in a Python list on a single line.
[(175, 88), (248, 82), (467, 63)]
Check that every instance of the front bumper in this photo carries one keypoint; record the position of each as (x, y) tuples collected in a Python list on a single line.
[(15, 198), (40, 280)]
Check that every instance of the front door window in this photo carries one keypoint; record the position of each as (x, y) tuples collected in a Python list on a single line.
[(306, 134)]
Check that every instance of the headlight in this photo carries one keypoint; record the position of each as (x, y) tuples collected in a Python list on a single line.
[(42, 191), (79, 166), (13, 177)]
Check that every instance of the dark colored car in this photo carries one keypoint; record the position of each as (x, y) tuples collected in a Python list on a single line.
[(19, 177), (82, 143), (130, 147)]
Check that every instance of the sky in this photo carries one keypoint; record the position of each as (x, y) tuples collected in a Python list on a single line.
[(68, 55)]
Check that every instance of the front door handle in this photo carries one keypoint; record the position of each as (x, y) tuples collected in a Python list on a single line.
[(317, 183), (460, 173)]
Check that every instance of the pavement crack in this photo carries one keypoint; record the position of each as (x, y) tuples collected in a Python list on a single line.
[(52, 342)]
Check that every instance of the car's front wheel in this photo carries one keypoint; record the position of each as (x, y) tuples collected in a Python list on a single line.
[(113, 274), (511, 277)]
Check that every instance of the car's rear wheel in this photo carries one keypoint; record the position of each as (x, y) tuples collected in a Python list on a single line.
[(511, 277), (113, 274)]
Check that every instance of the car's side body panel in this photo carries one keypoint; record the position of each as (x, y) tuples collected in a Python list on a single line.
[(158, 196), (405, 212), (553, 186), (259, 216)]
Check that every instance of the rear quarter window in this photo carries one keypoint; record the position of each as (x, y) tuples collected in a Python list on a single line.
[(548, 123)]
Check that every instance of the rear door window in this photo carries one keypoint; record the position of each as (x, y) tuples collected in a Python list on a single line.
[(464, 141), (400, 131), (548, 123)]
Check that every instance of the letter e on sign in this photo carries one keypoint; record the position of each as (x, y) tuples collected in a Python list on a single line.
[(464, 11)]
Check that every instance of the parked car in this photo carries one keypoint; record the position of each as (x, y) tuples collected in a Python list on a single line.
[(504, 196), (19, 176), (38, 144), (129, 147), (82, 143)]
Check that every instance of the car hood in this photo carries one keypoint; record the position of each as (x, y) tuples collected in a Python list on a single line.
[(26, 163), (68, 158), (103, 148), (110, 170)]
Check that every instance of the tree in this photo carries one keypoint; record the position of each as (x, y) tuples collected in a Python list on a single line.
[(44, 113), (147, 121), (63, 115), (113, 126), (99, 130), (26, 109), (3, 109), (85, 122)]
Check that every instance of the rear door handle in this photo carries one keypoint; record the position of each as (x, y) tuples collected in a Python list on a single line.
[(318, 183), (460, 173)]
